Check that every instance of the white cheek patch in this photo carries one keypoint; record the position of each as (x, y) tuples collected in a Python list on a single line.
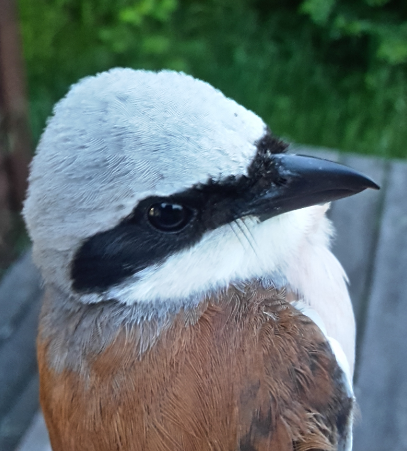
[(317, 276), (233, 253)]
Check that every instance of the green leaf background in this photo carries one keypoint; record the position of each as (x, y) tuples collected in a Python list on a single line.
[(320, 72)]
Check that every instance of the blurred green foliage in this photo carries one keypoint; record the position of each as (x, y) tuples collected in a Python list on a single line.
[(320, 72)]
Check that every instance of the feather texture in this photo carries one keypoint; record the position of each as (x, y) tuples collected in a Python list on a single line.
[(251, 373)]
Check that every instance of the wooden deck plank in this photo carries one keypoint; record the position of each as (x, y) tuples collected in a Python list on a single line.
[(20, 298), (17, 357), (36, 438), (16, 422), (19, 286), (382, 384)]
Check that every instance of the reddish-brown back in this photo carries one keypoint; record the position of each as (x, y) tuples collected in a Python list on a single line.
[(252, 374)]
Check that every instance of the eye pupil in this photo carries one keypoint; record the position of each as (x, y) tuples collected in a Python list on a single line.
[(169, 217)]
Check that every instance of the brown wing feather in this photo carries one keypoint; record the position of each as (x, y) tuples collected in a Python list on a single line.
[(252, 374)]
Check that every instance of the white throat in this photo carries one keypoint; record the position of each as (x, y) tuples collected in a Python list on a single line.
[(239, 252)]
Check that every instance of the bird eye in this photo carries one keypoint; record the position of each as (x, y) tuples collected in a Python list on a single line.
[(169, 217)]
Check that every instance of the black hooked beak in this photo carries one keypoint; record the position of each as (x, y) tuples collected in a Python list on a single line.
[(306, 181)]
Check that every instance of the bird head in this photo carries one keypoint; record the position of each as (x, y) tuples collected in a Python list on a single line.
[(155, 188)]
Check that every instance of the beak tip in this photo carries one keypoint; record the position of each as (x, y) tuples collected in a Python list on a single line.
[(369, 183)]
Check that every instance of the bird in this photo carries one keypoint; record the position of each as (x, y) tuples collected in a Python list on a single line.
[(191, 298)]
